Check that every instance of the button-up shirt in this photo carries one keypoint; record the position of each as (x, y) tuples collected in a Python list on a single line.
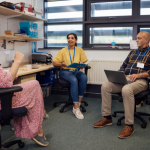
[(129, 66)]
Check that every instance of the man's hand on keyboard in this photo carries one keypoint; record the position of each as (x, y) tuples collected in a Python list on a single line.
[(133, 77)]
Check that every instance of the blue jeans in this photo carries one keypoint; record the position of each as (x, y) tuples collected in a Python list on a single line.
[(78, 81)]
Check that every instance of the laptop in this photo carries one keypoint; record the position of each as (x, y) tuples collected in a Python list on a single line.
[(116, 77)]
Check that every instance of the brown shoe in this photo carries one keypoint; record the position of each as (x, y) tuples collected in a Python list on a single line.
[(126, 132), (103, 122)]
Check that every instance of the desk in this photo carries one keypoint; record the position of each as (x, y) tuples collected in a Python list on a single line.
[(24, 76), (41, 68)]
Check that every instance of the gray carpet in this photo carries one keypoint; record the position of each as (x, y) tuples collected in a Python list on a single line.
[(65, 132)]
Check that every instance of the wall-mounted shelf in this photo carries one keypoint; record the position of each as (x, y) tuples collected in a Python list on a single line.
[(18, 38), (20, 15)]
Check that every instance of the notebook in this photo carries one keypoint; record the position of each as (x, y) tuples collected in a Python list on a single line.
[(75, 65), (116, 77)]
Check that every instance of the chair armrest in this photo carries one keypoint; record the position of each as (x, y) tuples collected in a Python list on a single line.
[(10, 90), (57, 68), (86, 69), (6, 95), (148, 78)]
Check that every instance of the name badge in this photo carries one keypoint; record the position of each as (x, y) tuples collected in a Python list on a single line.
[(140, 65), (72, 70)]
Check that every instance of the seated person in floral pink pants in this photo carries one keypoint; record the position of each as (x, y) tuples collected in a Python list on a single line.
[(31, 97)]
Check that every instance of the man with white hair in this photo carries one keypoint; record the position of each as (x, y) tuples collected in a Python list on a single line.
[(136, 67)]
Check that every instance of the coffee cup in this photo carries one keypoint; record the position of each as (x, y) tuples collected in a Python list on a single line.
[(28, 67)]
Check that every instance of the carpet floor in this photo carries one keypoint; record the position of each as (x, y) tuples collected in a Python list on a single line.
[(65, 132)]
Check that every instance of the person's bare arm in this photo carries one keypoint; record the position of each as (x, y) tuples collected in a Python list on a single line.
[(55, 63), (15, 66)]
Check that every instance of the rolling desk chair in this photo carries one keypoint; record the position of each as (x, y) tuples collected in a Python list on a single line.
[(66, 84), (7, 113), (138, 98)]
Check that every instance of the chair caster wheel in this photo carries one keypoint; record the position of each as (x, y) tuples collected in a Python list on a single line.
[(12, 128), (83, 110), (114, 114), (143, 125), (61, 111), (21, 144), (54, 105), (119, 123), (86, 104)]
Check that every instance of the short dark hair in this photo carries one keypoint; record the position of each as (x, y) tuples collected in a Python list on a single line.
[(75, 36)]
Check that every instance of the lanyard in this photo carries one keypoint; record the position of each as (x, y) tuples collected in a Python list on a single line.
[(70, 54), (143, 54)]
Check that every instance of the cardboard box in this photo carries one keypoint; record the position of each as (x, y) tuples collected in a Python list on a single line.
[(9, 32)]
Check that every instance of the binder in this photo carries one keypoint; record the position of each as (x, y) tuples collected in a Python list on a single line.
[(75, 65)]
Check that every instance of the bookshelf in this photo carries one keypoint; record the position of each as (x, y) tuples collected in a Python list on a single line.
[(20, 15), (18, 38)]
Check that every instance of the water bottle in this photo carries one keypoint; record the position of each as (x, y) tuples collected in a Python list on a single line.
[(113, 44)]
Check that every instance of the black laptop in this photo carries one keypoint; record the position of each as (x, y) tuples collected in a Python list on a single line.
[(116, 77)]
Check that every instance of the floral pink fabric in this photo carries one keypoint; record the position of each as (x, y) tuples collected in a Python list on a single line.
[(32, 98)]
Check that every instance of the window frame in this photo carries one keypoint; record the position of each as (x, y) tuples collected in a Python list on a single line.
[(135, 20), (105, 25)]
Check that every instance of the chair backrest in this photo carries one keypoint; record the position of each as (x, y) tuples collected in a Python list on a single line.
[(6, 112)]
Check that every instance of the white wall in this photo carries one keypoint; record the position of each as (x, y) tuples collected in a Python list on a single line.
[(99, 54), (13, 24)]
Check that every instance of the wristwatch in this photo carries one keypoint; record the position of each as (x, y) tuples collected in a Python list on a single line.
[(141, 75)]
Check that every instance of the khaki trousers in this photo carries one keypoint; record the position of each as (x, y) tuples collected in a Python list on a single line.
[(128, 92)]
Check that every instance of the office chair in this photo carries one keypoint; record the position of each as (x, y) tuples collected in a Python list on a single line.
[(66, 84), (142, 96), (7, 113)]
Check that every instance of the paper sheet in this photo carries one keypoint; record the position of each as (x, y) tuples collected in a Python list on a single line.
[(133, 44), (89, 60)]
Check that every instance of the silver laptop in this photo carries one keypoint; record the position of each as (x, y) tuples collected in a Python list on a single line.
[(116, 77)]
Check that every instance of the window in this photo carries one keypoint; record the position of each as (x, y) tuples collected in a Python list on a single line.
[(120, 35), (63, 17), (97, 23), (145, 7), (103, 9), (64, 11), (57, 34), (145, 29)]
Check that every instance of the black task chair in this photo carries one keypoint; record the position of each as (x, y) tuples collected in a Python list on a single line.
[(7, 113), (142, 96), (66, 84)]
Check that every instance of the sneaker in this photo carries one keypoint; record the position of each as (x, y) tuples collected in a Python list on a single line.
[(46, 116), (103, 122), (41, 140), (78, 113), (126, 132)]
